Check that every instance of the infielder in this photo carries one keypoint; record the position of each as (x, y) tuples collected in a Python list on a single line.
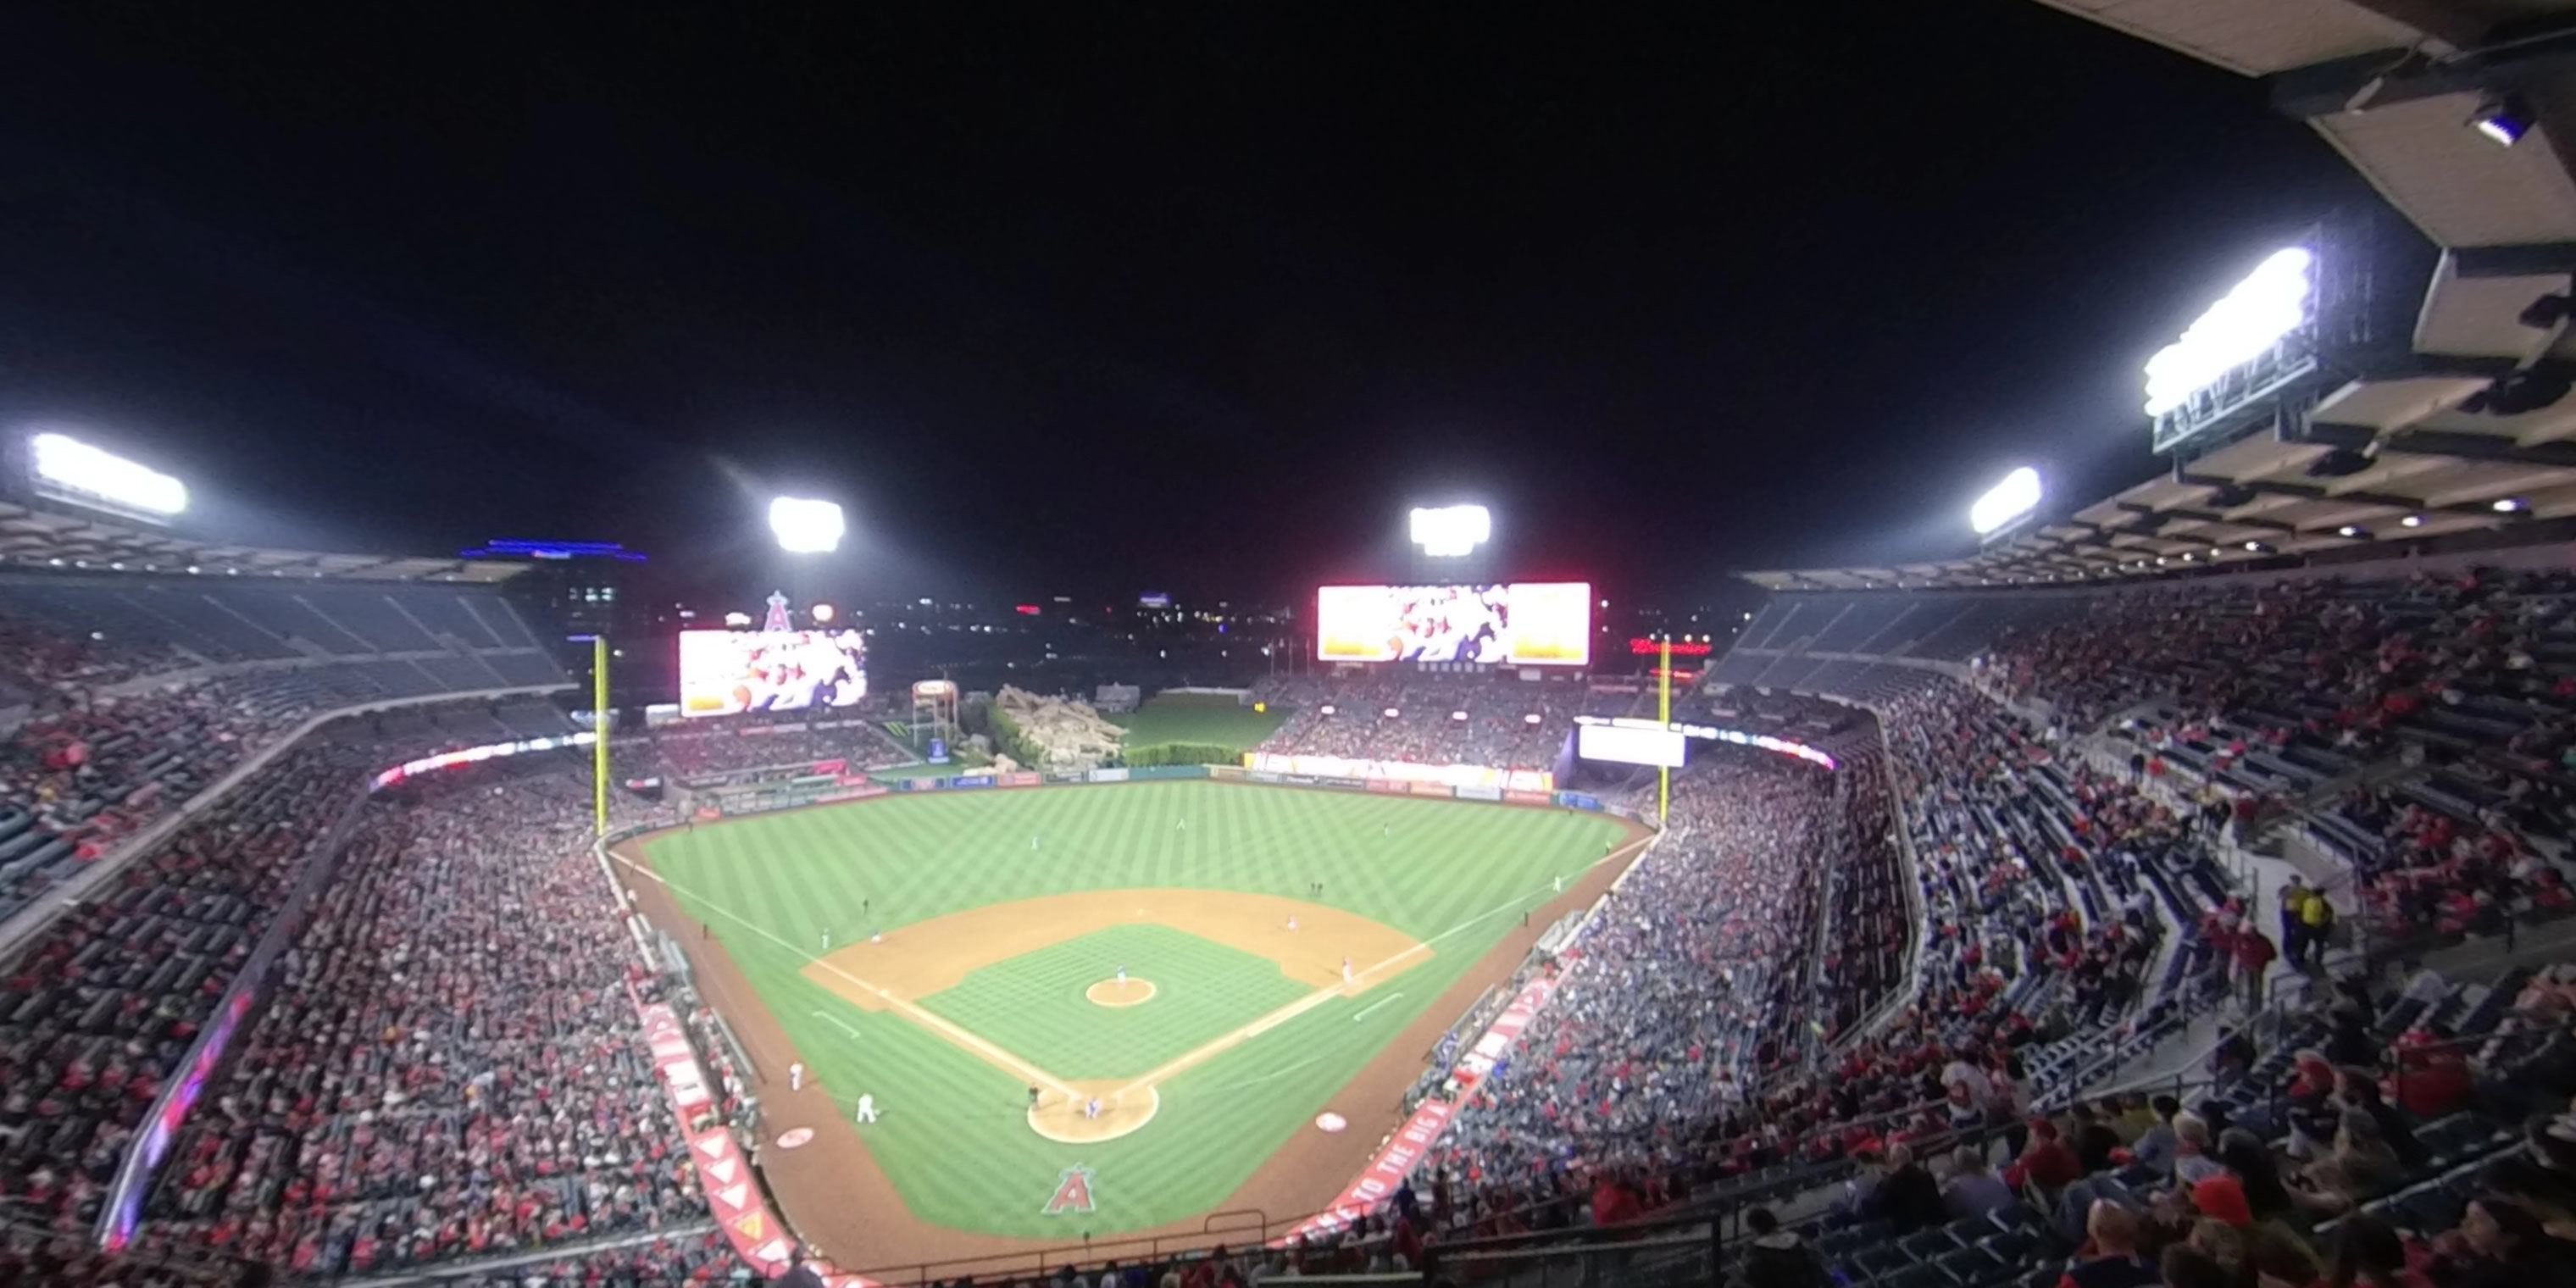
[(1292, 925), (796, 1076), (1346, 970), (867, 1109), (1091, 1107)]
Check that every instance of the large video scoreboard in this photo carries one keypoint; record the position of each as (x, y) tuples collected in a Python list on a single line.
[(1522, 623)]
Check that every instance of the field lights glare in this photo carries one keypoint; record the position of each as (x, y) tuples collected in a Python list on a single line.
[(2005, 501), (1451, 530), (89, 471), (2411, 521), (2269, 304), (805, 527)]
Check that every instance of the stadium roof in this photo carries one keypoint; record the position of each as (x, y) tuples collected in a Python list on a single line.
[(39, 538), (2391, 84)]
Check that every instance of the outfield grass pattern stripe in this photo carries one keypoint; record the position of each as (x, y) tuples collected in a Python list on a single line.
[(1422, 867)]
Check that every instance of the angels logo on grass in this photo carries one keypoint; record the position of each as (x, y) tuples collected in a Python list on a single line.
[(1072, 1192)]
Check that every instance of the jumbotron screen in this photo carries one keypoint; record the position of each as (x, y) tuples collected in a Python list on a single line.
[(1525, 623), (725, 673)]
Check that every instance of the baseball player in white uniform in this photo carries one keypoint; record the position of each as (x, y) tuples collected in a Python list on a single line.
[(796, 1076), (867, 1109)]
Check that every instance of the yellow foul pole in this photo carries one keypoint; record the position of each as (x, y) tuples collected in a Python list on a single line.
[(1664, 712), (599, 731)]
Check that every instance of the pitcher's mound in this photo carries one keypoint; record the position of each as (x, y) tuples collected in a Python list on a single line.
[(1120, 992), (1060, 1118)]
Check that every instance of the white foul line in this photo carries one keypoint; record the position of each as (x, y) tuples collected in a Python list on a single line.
[(1364, 1011), (961, 1037)]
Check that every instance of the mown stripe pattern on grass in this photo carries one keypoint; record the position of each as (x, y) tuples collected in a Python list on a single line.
[(953, 1135)]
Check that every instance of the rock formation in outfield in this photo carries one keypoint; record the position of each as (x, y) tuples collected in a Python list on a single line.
[(1066, 733)]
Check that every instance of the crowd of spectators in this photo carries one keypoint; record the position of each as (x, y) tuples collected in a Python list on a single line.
[(38, 663), (2278, 687), (1496, 720), (97, 1011), (450, 1066), (706, 748)]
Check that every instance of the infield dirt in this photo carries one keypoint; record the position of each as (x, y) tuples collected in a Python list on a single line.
[(844, 1206)]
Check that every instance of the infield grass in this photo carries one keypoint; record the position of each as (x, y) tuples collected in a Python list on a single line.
[(1033, 1004), (954, 1137)]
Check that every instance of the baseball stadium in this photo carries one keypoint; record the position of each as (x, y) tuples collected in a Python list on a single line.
[(2164, 884)]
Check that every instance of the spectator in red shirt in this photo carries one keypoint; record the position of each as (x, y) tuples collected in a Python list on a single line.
[(2048, 1162)]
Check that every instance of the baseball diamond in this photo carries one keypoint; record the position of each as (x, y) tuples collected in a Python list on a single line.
[(1157, 998)]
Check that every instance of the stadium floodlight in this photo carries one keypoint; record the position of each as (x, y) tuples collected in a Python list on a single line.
[(2411, 521), (822, 613), (76, 471), (2016, 496), (2507, 504), (1451, 530), (2270, 303), (805, 527)]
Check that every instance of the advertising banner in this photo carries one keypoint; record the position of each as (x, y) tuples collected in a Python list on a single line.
[(1528, 798), (1480, 793), (1384, 1175), (1022, 779), (724, 1175), (1482, 1059), (1388, 786), (1404, 771), (1431, 789), (963, 782), (1109, 775), (1577, 800)]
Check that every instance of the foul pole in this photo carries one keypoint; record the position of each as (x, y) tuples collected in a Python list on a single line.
[(1664, 712), (599, 732)]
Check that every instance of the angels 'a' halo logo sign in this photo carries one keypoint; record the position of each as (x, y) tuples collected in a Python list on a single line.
[(1072, 1192)]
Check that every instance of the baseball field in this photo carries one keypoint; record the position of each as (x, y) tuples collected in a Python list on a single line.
[(1186, 973)]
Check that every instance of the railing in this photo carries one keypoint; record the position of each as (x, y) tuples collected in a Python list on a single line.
[(204, 1063)]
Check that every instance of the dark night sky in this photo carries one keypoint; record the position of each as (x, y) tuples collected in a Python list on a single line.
[(1057, 298)]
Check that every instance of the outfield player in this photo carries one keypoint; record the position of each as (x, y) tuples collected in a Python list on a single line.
[(867, 1109), (827, 941)]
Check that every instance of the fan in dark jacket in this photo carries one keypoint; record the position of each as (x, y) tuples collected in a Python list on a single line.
[(1778, 1258), (1909, 1198)]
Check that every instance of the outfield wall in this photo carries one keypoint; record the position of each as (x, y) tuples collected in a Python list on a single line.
[(824, 789)]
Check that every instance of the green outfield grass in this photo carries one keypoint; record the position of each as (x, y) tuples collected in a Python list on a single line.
[(1211, 718), (954, 1137)]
